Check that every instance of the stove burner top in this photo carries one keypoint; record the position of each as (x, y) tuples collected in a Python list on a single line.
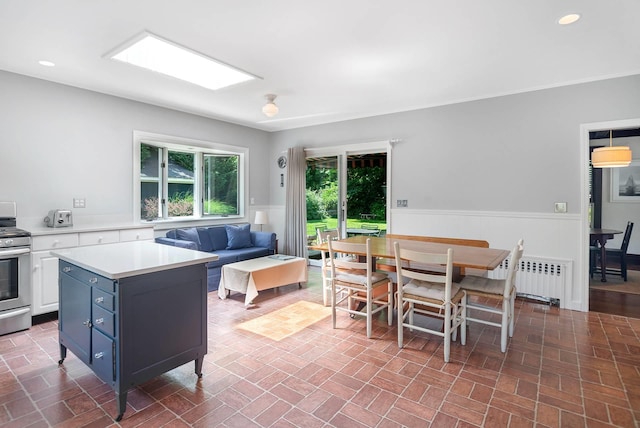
[(13, 232)]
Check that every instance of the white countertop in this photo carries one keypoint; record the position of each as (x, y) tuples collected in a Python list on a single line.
[(125, 259), (44, 230)]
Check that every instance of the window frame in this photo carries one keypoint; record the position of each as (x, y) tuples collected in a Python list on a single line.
[(199, 148)]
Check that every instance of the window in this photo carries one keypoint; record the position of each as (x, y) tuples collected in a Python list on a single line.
[(184, 179)]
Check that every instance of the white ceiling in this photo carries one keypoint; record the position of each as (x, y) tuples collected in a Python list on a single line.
[(327, 60)]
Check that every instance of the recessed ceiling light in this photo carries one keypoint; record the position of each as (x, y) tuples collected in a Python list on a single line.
[(568, 19), (153, 53), (46, 63)]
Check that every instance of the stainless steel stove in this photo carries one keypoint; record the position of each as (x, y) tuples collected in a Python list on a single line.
[(15, 289)]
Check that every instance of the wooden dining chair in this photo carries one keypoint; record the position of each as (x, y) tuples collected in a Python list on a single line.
[(503, 290), (353, 280), (324, 236), (430, 294), (619, 254)]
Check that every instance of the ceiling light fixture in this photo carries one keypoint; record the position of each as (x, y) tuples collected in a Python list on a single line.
[(612, 156), (568, 19), (270, 109), (46, 63), (153, 53)]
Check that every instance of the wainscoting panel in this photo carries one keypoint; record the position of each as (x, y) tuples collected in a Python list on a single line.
[(548, 238)]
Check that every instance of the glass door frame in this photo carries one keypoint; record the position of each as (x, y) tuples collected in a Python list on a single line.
[(342, 154)]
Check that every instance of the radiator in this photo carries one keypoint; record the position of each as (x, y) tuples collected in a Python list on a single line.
[(539, 277)]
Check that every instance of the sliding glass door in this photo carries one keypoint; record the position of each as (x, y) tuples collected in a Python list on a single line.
[(346, 191)]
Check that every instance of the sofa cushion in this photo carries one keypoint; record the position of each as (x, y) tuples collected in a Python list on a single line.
[(251, 253), (224, 257), (189, 234), (205, 241), (218, 237), (238, 236)]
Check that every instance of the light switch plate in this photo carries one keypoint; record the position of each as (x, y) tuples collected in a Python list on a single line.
[(560, 207)]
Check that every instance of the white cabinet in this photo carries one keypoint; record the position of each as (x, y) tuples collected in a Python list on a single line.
[(44, 277), (44, 282)]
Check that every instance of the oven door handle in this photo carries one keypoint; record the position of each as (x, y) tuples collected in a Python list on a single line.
[(10, 253), (10, 314)]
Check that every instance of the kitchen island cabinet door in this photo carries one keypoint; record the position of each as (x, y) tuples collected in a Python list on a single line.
[(74, 319)]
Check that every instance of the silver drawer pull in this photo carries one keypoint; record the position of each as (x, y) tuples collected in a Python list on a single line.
[(66, 269), (87, 323), (98, 355), (99, 321), (100, 299), (93, 280)]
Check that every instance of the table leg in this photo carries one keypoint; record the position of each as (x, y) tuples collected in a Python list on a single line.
[(603, 262)]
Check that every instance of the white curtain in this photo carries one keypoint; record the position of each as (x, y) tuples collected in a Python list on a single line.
[(295, 228)]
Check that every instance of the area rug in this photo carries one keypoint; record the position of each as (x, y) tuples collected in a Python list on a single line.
[(286, 321), (617, 284)]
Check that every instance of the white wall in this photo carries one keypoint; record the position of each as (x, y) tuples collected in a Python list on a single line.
[(507, 159), (58, 143)]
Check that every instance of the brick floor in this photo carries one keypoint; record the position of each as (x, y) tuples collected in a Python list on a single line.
[(561, 369)]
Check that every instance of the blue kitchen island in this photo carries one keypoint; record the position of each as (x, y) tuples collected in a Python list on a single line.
[(132, 311)]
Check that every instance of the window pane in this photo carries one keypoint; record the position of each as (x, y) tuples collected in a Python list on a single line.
[(220, 185), (180, 178), (150, 186)]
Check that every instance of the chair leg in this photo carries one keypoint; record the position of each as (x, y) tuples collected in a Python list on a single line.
[(390, 303), (463, 323), (447, 331), (505, 324), (400, 321), (369, 308), (333, 303), (623, 266), (512, 313), (325, 291)]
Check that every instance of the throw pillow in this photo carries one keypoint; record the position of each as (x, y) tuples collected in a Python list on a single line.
[(190, 234), (205, 241), (238, 236)]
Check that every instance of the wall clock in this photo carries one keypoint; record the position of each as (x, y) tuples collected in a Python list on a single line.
[(282, 161)]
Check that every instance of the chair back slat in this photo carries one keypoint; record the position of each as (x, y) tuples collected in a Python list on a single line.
[(514, 264), (363, 262), (627, 237), (412, 256)]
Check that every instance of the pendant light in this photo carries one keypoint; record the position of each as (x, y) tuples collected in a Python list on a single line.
[(612, 156)]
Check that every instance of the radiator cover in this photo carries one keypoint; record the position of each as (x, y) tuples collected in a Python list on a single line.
[(539, 277)]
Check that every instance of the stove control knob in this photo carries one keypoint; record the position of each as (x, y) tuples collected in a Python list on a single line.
[(8, 242)]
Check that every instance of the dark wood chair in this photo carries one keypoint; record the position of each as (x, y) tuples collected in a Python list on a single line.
[(618, 254)]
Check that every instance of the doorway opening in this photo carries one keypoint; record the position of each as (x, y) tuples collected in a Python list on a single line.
[(609, 209)]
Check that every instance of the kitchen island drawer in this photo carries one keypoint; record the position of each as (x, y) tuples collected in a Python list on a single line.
[(102, 357), (87, 277), (105, 300), (104, 320)]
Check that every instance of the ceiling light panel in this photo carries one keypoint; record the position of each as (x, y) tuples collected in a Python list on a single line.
[(153, 53)]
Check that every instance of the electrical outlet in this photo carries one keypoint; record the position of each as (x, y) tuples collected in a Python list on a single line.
[(79, 203), (402, 203), (253, 201)]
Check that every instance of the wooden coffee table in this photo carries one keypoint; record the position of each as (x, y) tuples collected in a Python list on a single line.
[(263, 273)]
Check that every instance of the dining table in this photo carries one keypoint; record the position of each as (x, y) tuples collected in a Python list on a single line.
[(601, 236), (463, 256)]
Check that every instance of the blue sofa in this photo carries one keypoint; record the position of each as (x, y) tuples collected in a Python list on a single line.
[(231, 243)]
